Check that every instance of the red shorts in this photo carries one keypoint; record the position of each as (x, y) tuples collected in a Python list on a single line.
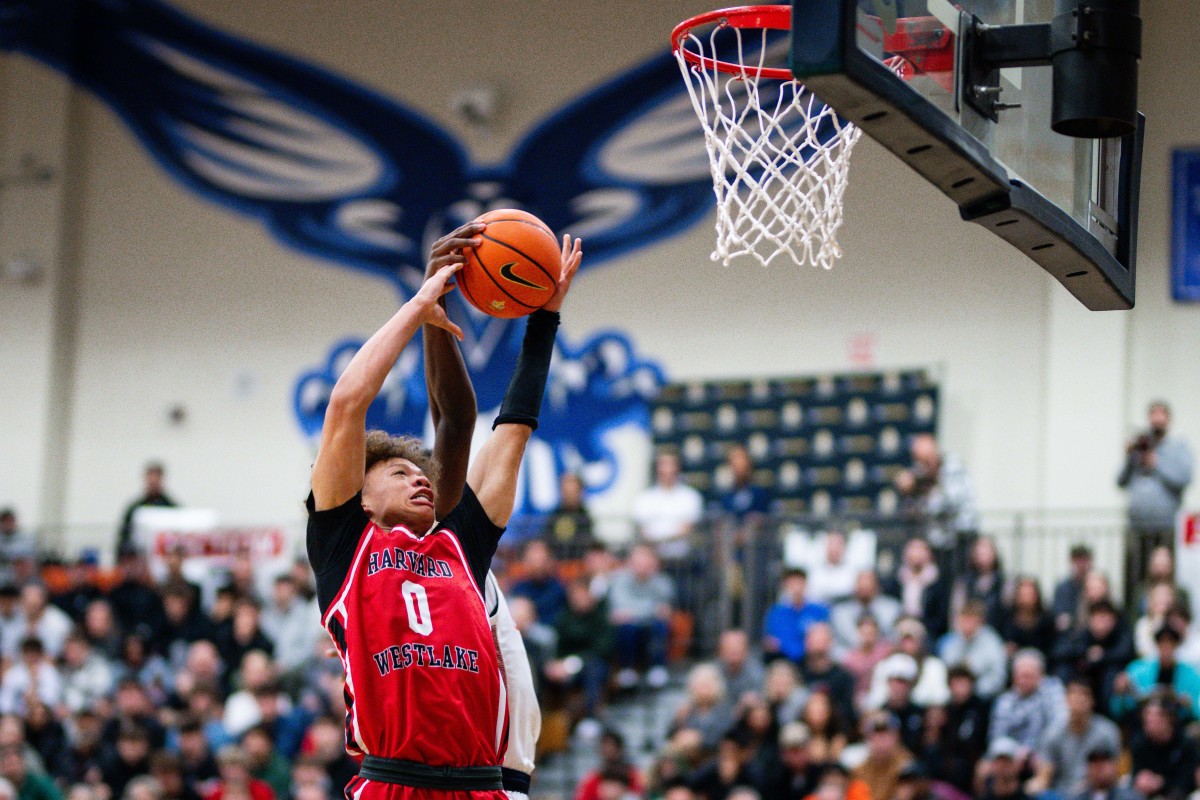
[(363, 789)]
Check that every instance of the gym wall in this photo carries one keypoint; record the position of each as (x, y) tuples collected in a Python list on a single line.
[(153, 299)]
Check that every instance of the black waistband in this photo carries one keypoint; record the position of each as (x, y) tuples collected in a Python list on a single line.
[(425, 776), (515, 780)]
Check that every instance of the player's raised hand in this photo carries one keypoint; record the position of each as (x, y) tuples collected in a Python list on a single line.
[(449, 249), (436, 286), (572, 255)]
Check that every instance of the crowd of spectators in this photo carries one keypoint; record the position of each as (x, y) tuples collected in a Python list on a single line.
[(949, 679), (120, 684), (946, 678), (1016, 700)]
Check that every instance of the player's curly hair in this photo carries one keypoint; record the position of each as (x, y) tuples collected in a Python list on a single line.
[(381, 446)]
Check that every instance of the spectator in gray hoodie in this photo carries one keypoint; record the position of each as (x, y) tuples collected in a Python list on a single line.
[(975, 643), (291, 623), (640, 599), (1157, 471)]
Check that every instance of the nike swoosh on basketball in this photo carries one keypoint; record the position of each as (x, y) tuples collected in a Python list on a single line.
[(506, 272)]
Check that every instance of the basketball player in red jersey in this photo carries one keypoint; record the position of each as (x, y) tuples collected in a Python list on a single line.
[(400, 591)]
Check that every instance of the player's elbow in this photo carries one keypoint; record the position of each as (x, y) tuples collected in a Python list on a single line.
[(457, 419), (347, 401), (515, 434)]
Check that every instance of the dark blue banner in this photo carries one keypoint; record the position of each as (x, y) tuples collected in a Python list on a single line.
[(1185, 264)]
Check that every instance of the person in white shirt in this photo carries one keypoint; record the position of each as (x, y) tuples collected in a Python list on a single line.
[(33, 672), (667, 512), (87, 675), (242, 709), (832, 576), (1159, 600), (933, 684), (48, 623)]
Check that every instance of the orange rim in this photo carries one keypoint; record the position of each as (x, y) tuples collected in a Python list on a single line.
[(777, 18)]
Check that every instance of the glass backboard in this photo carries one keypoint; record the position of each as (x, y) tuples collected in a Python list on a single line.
[(899, 69)]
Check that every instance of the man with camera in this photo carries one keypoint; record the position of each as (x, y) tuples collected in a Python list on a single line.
[(936, 496), (1157, 471)]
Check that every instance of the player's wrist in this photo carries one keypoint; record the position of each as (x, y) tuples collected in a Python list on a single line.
[(420, 307), (554, 304)]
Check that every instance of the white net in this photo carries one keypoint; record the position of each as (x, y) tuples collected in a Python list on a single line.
[(779, 156)]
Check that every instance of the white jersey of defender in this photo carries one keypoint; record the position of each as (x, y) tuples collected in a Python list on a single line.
[(524, 715)]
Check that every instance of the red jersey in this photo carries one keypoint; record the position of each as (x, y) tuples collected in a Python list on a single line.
[(407, 617)]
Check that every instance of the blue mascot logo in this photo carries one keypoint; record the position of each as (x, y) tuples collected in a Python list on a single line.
[(338, 171)]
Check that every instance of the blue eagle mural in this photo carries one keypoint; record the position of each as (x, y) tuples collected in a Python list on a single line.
[(341, 172)]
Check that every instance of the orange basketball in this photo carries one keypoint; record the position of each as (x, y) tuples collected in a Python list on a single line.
[(514, 271)]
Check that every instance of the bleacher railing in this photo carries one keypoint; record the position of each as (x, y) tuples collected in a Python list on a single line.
[(731, 571), (728, 579)]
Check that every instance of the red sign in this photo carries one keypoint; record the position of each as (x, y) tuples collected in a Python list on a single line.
[(261, 542), (1191, 523), (861, 349)]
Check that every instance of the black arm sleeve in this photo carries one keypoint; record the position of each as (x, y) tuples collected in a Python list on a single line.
[(523, 400), (477, 534), (332, 538)]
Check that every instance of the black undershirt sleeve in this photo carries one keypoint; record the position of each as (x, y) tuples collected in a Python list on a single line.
[(332, 539), (477, 534), (523, 400)]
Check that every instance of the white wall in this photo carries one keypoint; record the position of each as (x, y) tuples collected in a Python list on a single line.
[(179, 302), (1165, 336), (35, 107)]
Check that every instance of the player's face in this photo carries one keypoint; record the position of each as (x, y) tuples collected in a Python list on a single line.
[(396, 492)]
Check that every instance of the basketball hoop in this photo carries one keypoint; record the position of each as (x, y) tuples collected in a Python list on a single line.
[(779, 156)]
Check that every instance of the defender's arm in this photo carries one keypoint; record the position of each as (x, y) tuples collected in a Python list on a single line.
[(493, 476)]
